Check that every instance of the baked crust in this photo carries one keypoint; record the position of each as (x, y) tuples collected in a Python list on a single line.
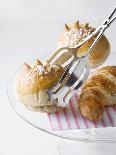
[(78, 32), (32, 83), (98, 91), (31, 79)]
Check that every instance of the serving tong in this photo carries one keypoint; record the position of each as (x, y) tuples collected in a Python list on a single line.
[(76, 68)]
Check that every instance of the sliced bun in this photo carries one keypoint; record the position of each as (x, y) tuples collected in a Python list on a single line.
[(74, 35), (32, 83)]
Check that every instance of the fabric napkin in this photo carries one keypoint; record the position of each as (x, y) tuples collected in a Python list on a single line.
[(71, 118)]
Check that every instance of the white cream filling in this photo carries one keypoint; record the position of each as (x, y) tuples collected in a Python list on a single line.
[(36, 99)]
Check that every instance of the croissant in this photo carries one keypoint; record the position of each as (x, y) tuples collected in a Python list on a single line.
[(74, 35), (98, 91), (31, 85)]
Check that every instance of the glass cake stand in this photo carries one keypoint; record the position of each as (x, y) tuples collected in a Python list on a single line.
[(72, 138)]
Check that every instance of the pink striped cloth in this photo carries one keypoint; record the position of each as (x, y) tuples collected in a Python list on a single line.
[(71, 118)]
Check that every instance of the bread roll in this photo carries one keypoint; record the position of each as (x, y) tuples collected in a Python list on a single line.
[(74, 35), (98, 91), (32, 83)]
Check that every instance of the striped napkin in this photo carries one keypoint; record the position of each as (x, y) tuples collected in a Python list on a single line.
[(71, 118)]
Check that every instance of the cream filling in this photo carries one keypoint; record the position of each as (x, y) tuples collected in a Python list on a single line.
[(48, 108), (36, 99)]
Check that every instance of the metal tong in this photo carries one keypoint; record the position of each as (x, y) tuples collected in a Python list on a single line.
[(77, 70)]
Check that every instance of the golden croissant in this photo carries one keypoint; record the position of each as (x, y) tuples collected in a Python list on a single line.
[(98, 91)]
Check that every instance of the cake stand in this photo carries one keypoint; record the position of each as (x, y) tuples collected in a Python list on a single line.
[(72, 141)]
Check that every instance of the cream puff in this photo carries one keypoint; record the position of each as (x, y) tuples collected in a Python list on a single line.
[(32, 83), (74, 35)]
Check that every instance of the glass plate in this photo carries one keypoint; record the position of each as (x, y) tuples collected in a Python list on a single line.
[(40, 120)]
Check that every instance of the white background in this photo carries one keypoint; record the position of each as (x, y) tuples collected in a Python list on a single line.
[(28, 29)]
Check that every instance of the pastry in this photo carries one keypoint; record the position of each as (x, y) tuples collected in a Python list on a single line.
[(32, 83), (74, 35), (98, 91)]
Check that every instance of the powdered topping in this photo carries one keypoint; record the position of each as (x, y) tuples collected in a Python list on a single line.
[(77, 34), (55, 67), (44, 69), (46, 64), (40, 69)]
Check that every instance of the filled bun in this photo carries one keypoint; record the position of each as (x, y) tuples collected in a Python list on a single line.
[(74, 35), (32, 84)]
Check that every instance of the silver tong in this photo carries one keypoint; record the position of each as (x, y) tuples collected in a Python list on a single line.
[(77, 68)]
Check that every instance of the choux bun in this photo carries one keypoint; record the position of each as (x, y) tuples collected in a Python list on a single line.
[(32, 83), (74, 35)]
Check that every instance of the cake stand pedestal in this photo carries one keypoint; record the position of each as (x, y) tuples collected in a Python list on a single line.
[(68, 147)]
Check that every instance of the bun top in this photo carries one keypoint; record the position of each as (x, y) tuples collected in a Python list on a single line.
[(39, 76), (76, 33)]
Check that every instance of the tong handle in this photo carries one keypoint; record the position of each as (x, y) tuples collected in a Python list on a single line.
[(113, 12), (101, 30)]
